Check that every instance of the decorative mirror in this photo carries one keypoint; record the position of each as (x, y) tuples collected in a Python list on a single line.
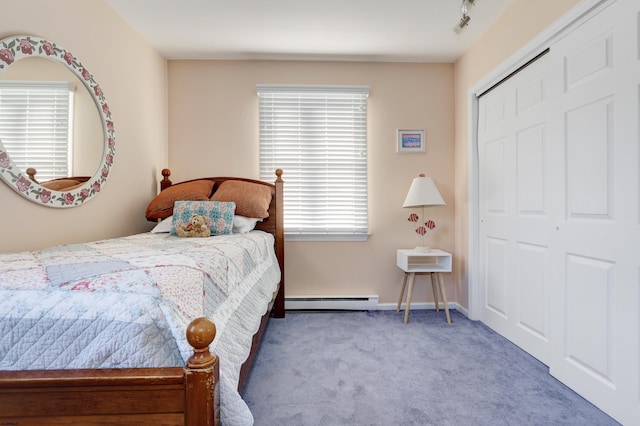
[(96, 146)]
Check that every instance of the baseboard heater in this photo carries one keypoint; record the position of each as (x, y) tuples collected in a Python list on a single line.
[(352, 303)]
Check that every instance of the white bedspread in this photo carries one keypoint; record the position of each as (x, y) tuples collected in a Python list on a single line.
[(126, 302)]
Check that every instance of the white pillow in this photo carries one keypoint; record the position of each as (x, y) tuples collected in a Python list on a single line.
[(164, 226), (242, 224)]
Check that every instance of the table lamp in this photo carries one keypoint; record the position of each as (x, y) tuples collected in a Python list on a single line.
[(422, 193)]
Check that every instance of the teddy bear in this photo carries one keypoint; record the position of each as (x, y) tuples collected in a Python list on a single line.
[(197, 227)]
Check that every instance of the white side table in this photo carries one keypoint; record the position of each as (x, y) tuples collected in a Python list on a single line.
[(433, 262)]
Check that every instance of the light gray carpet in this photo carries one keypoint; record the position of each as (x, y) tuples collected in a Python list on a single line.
[(368, 368)]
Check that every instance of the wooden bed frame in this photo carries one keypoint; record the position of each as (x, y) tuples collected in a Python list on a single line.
[(187, 395)]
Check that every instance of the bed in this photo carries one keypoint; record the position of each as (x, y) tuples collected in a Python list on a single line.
[(160, 329)]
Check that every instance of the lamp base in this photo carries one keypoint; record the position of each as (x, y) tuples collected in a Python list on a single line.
[(422, 249)]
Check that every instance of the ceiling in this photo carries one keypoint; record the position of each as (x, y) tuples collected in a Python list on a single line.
[(350, 30)]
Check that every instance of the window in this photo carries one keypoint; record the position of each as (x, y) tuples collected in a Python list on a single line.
[(35, 126), (318, 136)]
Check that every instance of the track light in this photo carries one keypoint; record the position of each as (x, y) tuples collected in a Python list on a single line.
[(464, 20)]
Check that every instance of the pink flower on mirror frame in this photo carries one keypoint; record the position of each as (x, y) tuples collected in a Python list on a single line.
[(4, 160), (68, 57), (25, 47), (68, 198), (48, 48), (45, 196), (6, 56), (23, 184)]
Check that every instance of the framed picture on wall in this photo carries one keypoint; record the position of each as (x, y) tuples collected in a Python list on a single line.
[(411, 141)]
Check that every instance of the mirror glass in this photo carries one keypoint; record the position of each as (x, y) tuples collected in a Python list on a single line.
[(33, 60)]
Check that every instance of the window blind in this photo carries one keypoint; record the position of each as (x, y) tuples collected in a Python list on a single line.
[(35, 123), (318, 136)]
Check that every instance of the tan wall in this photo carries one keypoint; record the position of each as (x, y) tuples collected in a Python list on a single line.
[(213, 130), (133, 78), (518, 25)]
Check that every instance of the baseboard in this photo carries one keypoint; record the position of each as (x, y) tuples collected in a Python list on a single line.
[(415, 306), (351, 303)]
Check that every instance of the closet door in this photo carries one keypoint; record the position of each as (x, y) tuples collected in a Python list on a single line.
[(595, 301), (514, 203), (559, 209)]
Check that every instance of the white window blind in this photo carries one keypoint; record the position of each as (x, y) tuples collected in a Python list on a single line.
[(318, 136), (35, 123)]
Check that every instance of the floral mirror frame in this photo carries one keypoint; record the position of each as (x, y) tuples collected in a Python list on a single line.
[(16, 48)]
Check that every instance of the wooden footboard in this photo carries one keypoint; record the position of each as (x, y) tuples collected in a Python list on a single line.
[(187, 395)]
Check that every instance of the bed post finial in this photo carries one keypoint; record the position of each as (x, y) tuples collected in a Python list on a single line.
[(278, 175), (32, 174), (200, 334), (202, 377), (165, 182)]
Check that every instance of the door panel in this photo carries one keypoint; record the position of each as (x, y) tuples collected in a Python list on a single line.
[(533, 283), (589, 139), (497, 290), (559, 209), (594, 115), (514, 203), (589, 320), (531, 166)]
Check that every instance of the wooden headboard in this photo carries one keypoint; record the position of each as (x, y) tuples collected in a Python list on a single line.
[(274, 224)]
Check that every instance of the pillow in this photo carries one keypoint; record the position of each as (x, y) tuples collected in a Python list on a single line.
[(252, 199), (242, 224), (219, 215), (162, 205), (62, 184), (164, 226)]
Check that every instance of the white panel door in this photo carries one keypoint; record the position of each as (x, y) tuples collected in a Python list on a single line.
[(559, 209), (594, 110), (515, 223)]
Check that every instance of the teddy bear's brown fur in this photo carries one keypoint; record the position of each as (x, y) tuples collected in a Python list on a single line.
[(197, 227)]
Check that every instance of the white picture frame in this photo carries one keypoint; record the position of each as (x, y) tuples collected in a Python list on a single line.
[(411, 141)]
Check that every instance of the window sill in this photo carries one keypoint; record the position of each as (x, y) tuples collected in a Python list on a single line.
[(326, 237)]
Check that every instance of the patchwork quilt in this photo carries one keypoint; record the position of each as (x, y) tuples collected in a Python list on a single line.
[(126, 302)]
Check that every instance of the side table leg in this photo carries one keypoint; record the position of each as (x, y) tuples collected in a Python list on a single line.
[(434, 286), (404, 283), (444, 297), (412, 280)]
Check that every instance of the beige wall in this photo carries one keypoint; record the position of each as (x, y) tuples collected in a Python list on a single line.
[(213, 130), (133, 78), (516, 27)]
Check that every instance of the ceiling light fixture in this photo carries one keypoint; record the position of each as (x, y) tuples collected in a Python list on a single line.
[(464, 20)]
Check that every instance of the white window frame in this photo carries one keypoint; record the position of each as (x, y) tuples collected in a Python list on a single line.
[(318, 135), (36, 126)]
